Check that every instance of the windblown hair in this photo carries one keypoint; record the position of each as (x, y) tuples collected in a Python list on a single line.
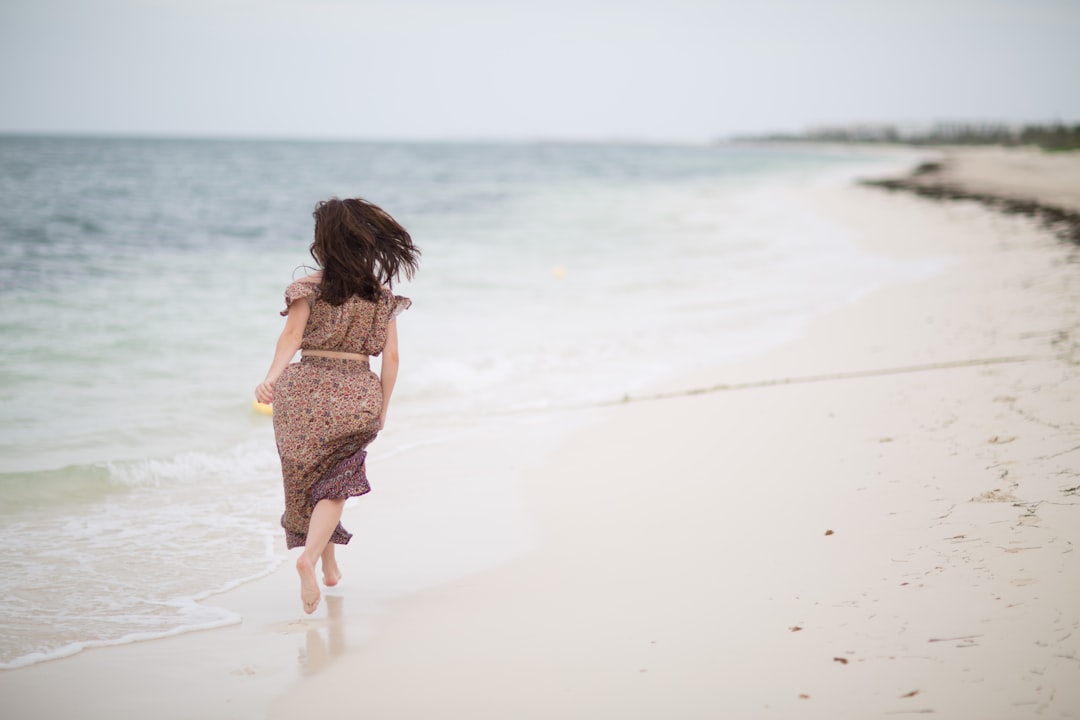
[(360, 248)]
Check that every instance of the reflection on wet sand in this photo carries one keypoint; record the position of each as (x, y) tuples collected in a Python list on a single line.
[(319, 648)]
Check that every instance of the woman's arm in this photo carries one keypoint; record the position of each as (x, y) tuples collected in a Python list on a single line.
[(287, 345), (388, 373)]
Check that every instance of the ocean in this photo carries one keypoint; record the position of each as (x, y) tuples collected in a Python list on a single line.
[(142, 278)]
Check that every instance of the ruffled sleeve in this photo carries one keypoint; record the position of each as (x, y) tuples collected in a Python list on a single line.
[(397, 305), (387, 307), (300, 289)]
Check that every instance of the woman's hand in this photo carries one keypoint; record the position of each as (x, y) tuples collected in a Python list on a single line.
[(264, 392), (382, 419)]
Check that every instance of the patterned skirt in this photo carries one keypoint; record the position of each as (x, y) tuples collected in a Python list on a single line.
[(326, 411)]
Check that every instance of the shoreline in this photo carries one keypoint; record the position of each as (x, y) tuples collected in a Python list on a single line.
[(666, 550), (1036, 184), (561, 376)]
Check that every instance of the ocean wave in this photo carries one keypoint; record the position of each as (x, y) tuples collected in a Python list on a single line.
[(217, 617), (118, 552)]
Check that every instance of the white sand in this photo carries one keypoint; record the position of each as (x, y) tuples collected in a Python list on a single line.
[(1019, 173), (678, 543)]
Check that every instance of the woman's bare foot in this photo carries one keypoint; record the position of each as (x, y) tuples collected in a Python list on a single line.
[(331, 572), (309, 586)]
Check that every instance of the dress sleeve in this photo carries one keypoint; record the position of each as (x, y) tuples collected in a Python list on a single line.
[(398, 305), (387, 307), (297, 290)]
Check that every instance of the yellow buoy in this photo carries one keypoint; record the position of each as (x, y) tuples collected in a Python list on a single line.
[(262, 408)]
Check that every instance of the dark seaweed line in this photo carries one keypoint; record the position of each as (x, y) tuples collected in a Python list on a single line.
[(1063, 223), (782, 382)]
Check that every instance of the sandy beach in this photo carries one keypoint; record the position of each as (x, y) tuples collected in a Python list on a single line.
[(880, 518), (1018, 173)]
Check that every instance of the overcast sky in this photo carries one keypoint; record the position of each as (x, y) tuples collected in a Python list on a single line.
[(555, 69)]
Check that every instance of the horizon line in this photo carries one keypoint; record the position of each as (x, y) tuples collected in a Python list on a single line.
[(268, 137)]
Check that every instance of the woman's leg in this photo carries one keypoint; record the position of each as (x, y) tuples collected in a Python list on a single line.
[(324, 519)]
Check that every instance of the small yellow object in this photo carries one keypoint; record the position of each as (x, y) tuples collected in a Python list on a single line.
[(262, 408), (558, 272)]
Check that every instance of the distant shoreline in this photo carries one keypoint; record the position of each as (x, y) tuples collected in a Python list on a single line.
[(1052, 137)]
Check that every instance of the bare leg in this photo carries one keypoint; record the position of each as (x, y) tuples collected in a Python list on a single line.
[(330, 570), (324, 518)]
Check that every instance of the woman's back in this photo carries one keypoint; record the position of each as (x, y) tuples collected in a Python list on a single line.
[(357, 325)]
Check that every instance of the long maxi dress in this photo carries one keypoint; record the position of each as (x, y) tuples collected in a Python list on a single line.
[(326, 410)]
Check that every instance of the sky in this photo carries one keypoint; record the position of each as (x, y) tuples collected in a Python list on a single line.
[(636, 70)]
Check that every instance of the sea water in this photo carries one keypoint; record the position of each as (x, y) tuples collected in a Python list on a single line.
[(141, 281)]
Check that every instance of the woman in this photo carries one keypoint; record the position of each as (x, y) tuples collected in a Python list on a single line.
[(330, 405)]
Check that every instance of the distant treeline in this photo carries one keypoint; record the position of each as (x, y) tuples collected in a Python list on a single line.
[(1049, 137)]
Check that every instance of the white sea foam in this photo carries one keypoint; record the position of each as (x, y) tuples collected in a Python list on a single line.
[(206, 618), (104, 571)]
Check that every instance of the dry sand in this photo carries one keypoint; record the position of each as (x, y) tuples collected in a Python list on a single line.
[(893, 531), (1018, 173)]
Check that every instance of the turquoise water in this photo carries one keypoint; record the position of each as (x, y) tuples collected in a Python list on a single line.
[(142, 280)]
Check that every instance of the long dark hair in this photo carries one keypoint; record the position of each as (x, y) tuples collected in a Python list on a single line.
[(360, 248)]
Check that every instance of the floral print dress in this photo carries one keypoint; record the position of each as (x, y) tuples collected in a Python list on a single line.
[(326, 410)]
